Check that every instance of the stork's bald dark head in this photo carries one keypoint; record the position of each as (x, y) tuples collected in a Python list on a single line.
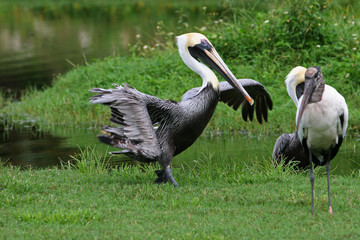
[(313, 72), (315, 83)]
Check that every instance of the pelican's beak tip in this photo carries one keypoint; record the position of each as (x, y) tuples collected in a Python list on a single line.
[(250, 100)]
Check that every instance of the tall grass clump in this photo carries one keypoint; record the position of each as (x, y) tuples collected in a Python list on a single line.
[(89, 161)]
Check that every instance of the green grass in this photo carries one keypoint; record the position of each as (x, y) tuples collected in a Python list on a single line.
[(217, 200)]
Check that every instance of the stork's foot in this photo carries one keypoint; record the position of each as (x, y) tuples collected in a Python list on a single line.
[(330, 210), (161, 176)]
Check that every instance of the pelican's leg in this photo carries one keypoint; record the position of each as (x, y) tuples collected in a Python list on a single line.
[(164, 160), (169, 176), (328, 180), (312, 180)]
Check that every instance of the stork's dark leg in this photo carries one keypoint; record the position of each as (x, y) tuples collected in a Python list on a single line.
[(169, 176), (312, 180), (328, 180)]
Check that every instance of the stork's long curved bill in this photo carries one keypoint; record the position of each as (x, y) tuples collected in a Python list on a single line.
[(309, 88)]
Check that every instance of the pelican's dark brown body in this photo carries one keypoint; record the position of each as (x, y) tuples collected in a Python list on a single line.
[(185, 129), (150, 129), (178, 126)]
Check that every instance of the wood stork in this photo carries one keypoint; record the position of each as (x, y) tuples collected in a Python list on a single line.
[(321, 121), (179, 124)]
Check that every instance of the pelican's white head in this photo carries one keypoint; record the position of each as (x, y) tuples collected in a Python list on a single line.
[(194, 47), (191, 40), (294, 78)]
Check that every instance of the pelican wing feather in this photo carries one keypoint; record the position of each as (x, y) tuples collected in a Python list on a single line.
[(136, 112), (256, 90)]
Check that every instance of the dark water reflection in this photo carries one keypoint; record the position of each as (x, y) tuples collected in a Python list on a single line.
[(30, 147), (38, 42)]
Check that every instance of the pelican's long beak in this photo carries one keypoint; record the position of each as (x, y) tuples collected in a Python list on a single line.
[(225, 72), (209, 56)]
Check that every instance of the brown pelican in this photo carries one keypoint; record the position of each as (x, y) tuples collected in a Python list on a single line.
[(178, 124), (288, 146), (321, 121)]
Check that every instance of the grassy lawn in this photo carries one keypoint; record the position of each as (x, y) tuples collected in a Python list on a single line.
[(217, 200)]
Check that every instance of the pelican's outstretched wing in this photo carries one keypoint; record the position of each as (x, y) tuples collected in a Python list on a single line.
[(256, 90), (136, 112)]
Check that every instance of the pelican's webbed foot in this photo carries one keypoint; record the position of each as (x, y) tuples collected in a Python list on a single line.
[(164, 175), (161, 176)]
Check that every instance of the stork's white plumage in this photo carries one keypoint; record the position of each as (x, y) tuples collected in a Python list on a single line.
[(321, 119), (321, 123)]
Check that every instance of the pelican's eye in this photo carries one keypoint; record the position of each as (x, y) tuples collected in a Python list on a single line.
[(205, 44)]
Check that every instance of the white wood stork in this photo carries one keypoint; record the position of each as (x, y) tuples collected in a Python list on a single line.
[(321, 120)]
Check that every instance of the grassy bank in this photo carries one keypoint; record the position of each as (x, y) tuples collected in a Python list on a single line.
[(218, 200), (258, 45)]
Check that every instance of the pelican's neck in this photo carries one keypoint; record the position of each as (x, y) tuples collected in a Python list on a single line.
[(294, 78), (291, 89), (207, 75)]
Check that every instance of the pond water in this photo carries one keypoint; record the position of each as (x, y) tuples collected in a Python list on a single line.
[(38, 42), (31, 147)]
